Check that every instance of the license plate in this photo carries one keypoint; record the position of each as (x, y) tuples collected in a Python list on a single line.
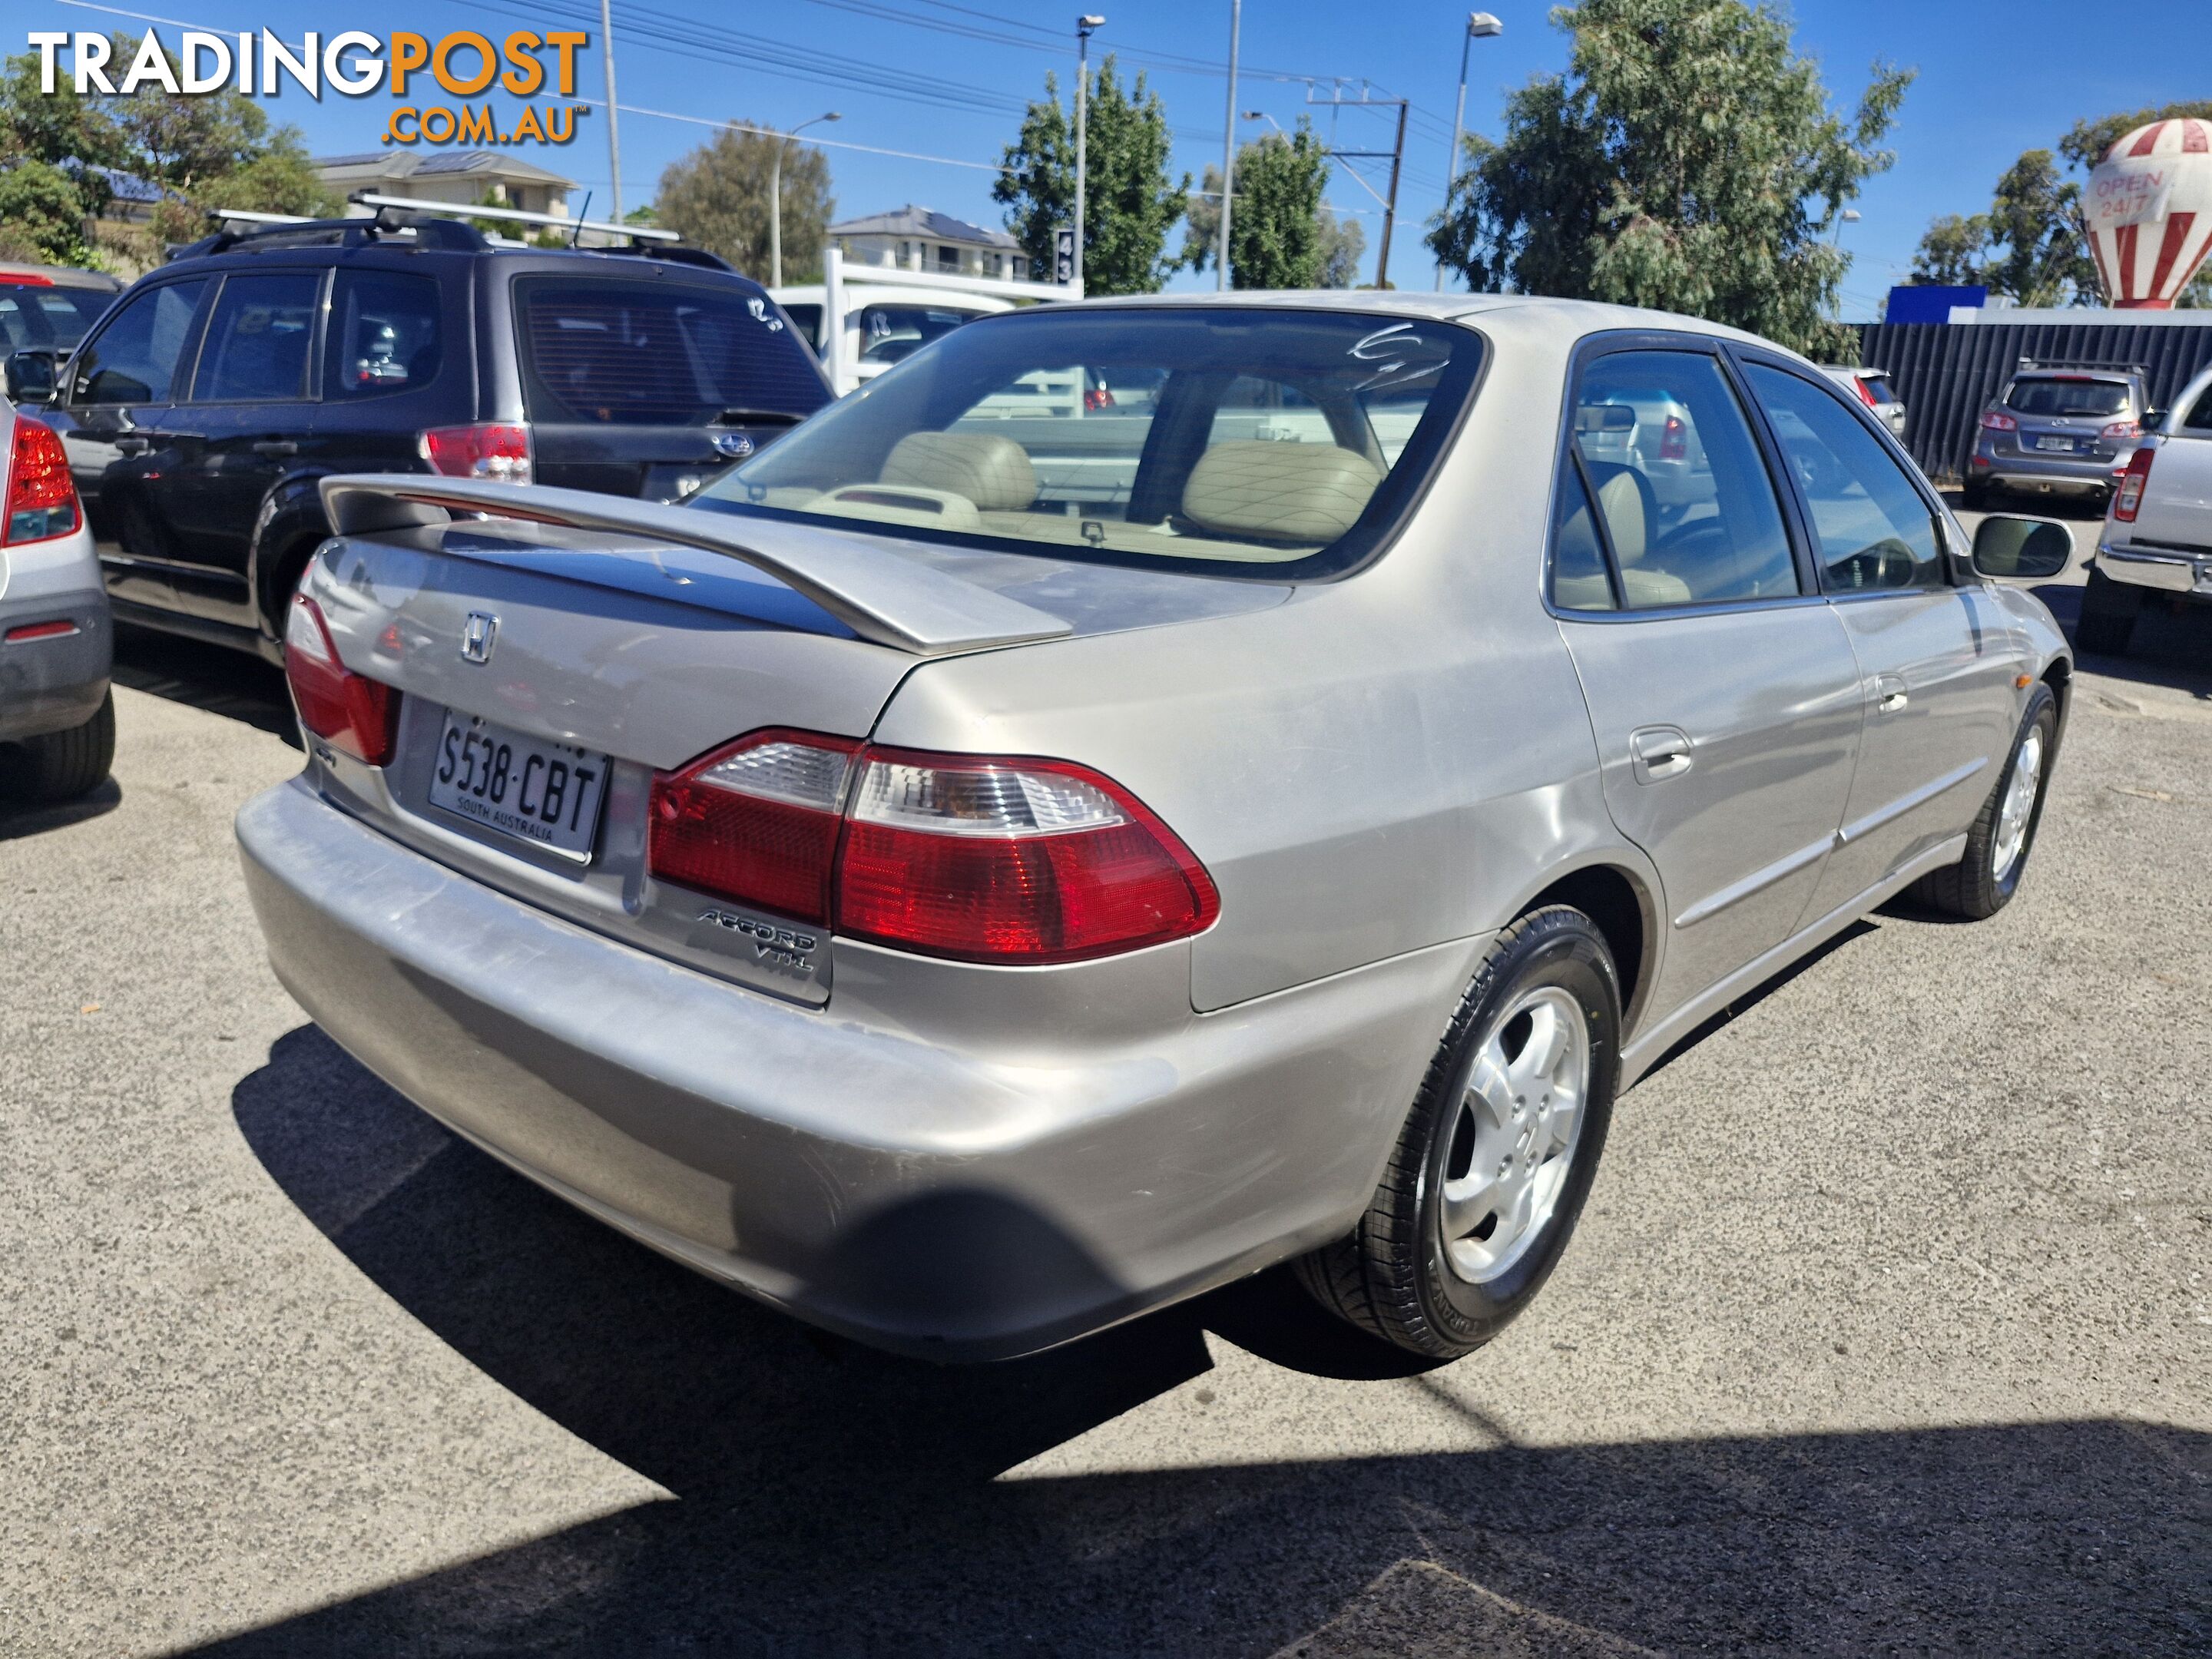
[(520, 785), (2065, 444)]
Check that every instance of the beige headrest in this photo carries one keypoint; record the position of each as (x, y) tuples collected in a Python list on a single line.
[(1280, 492), (992, 471), (1623, 505)]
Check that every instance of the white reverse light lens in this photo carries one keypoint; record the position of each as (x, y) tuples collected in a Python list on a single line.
[(796, 773), (993, 800)]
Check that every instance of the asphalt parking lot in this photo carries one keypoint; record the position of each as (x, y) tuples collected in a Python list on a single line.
[(1888, 1329)]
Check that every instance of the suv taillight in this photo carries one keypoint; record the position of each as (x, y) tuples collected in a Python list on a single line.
[(1997, 420), (1674, 440), (2122, 429), (1866, 392), (347, 710), (977, 858), (494, 450), (2129, 501), (41, 495)]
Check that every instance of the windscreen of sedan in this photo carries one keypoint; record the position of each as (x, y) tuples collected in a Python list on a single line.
[(1208, 438), (2074, 397)]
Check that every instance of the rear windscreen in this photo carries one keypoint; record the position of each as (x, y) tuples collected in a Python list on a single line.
[(2074, 397), (1881, 391), (41, 318), (615, 352)]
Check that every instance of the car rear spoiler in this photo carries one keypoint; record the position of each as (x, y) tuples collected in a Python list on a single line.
[(882, 595)]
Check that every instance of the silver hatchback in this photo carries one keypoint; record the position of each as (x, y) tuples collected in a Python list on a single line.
[(974, 876)]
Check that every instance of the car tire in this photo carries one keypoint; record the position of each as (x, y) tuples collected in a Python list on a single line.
[(2108, 615), (1407, 1273), (1983, 882), (60, 765)]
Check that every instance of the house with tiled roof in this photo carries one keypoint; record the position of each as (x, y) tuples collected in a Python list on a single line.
[(922, 238), (465, 177)]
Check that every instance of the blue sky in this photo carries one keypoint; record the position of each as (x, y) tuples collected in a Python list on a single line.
[(1995, 79)]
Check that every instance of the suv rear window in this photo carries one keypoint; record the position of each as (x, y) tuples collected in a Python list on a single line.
[(50, 319), (656, 354), (2065, 395)]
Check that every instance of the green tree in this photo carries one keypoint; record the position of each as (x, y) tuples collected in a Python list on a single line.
[(1954, 252), (1688, 160), (2088, 142), (1276, 238), (718, 197), (1343, 244), (1130, 202), (41, 216)]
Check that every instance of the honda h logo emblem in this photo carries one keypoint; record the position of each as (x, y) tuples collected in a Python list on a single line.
[(476, 637)]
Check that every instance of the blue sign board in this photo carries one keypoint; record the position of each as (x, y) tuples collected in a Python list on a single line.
[(1925, 302)]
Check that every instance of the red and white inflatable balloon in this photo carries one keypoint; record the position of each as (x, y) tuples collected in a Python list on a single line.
[(2149, 212)]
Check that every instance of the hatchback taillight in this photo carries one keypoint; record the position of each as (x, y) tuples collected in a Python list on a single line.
[(494, 450), (2122, 429), (1674, 440), (1997, 420), (973, 857), (1866, 392), (41, 495), (347, 711), (2129, 500)]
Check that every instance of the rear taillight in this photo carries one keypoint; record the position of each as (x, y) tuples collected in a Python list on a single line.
[(976, 858), (2119, 430), (41, 494), (2129, 500), (757, 821), (1998, 420), (347, 711), (1866, 392), (1674, 440), (500, 452), (1097, 397)]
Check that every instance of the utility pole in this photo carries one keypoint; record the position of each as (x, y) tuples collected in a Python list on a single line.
[(1397, 154), (614, 127), (1478, 23), (1083, 26), (775, 197), (1228, 147)]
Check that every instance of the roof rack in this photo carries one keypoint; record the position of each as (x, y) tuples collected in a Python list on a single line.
[(641, 233), (2110, 364), (288, 230), (674, 256)]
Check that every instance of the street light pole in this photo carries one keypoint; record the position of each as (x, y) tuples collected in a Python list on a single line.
[(1478, 22), (775, 198), (1084, 24), (614, 127), (1228, 147)]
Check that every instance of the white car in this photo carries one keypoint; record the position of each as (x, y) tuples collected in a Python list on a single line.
[(2158, 528), (883, 326)]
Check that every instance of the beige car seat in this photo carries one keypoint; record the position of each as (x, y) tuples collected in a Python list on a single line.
[(1280, 492), (991, 470), (1632, 513)]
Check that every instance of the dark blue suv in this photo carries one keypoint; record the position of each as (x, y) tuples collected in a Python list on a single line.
[(201, 412)]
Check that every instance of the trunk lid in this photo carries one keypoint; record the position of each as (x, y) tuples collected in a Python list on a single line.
[(619, 639)]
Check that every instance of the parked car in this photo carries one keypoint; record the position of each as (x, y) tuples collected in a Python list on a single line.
[(56, 717), (2157, 541), (45, 310), (1871, 386), (2058, 431), (967, 913), (201, 413), (883, 325)]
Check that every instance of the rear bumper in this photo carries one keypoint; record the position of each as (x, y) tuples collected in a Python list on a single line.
[(2072, 474), (969, 1200), (2169, 570), (56, 681)]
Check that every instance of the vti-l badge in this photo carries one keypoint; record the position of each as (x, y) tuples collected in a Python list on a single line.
[(478, 634)]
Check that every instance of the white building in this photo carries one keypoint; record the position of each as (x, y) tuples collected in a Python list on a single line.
[(922, 238), (463, 177)]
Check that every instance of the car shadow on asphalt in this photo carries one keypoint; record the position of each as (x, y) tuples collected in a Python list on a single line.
[(2171, 647), (829, 1499), (17, 822), (236, 685)]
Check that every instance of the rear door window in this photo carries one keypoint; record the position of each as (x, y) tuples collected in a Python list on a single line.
[(614, 353), (385, 335), (136, 356), (259, 338)]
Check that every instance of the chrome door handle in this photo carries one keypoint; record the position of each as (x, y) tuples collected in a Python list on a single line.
[(1889, 693), (1659, 752), (276, 446)]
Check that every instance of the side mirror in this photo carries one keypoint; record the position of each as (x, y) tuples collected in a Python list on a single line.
[(30, 376), (2005, 545)]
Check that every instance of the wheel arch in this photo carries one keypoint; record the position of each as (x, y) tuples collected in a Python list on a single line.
[(1622, 904), (289, 527)]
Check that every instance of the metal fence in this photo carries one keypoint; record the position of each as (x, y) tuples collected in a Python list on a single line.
[(1947, 373)]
